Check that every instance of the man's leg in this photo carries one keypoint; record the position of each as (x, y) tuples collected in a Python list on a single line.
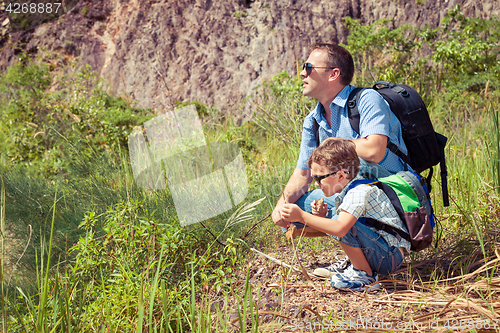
[(304, 203)]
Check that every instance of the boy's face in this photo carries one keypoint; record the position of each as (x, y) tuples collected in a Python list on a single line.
[(334, 183)]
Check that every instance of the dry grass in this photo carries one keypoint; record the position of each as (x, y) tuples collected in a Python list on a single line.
[(411, 297)]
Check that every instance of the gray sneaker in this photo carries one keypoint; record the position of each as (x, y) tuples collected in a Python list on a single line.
[(354, 280), (337, 267)]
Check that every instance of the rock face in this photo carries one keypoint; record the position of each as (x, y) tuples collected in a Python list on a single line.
[(161, 51)]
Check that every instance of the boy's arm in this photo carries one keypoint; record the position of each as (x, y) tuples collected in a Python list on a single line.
[(339, 227)]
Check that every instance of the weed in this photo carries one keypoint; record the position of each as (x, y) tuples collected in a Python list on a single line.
[(239, 14)]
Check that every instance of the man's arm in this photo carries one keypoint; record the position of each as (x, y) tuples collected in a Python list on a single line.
[(297, 185), (372, 148)]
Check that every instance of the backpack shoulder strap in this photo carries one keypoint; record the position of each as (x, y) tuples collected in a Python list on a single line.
[(444, 172), (354, 119), (316, 131), (393, 197), (352, 108), (366, 181)]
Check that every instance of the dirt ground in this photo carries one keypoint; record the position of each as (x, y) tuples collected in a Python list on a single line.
[(416, 299)]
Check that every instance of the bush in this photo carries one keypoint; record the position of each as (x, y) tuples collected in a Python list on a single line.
[(43, 130)]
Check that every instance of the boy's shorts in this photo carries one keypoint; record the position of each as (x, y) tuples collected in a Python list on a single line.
[(383, 259)]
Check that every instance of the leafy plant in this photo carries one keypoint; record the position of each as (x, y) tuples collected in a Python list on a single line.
[(240, 14), (37, 125)]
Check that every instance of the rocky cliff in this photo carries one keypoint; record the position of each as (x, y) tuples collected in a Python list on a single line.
[(162, 51)]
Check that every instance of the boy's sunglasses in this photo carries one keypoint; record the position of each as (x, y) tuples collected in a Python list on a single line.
[(318, 179), (308, 67)]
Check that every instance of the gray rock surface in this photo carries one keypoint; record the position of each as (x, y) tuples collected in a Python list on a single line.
[(217, 52)]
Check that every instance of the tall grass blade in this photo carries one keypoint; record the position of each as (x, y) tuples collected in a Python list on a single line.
[(140, 316), (153, 291), (193, 300), (2, 258), (41, 323), (496, 150)]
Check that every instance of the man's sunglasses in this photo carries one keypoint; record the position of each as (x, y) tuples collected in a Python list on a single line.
[(318, 179), (308, 67)]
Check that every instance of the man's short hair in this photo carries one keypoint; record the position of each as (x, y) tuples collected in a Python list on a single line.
[(336, 154), (340, 58)]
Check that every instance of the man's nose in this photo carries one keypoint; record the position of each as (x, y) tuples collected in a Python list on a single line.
[(303, 73)]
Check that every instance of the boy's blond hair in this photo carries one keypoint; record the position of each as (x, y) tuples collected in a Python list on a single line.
[(336, 154)]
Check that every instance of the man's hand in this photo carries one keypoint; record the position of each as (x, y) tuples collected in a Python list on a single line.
[(319, 207), (278, 219), (292, 213), (294, 189)]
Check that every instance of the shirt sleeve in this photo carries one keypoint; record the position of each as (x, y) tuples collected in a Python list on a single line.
[(374, 114), (308, 143)]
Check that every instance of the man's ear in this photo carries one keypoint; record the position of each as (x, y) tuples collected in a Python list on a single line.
[(334, 74)]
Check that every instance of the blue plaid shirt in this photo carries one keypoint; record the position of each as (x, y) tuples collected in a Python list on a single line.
[(371, 202), (375, 118)]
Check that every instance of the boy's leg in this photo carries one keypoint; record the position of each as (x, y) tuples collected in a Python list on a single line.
[(370, 254), (357, 257), (382, 258)]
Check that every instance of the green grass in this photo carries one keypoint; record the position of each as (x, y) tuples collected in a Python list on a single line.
[(106, 255)]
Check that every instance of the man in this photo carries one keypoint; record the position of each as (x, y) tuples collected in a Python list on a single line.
[(327, 75)]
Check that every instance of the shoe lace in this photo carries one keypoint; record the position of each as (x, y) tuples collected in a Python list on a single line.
[(342, 264)]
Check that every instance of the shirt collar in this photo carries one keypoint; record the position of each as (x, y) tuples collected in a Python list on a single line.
[(319, 114), (342, 96), (340, 100), (340, 197)]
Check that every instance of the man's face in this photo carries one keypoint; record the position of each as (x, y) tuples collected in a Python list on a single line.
[(316, 82)]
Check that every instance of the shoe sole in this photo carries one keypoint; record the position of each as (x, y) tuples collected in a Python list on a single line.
[(322, 272), (367, 288)]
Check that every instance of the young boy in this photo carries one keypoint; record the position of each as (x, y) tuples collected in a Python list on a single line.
[(334, 166)]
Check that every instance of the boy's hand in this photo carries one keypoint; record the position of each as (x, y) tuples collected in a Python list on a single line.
[(291, 213), (319, 207)]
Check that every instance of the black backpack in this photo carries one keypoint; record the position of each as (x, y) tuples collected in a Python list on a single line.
[(425, 146)]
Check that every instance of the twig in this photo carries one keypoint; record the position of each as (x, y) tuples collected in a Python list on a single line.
[(216, 238), (279, 262), (289, 234), (255, 225)]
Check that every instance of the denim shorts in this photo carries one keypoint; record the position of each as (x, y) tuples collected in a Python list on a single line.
[(383, 259)]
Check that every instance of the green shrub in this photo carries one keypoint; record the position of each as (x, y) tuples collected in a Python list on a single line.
[(37, 124)]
